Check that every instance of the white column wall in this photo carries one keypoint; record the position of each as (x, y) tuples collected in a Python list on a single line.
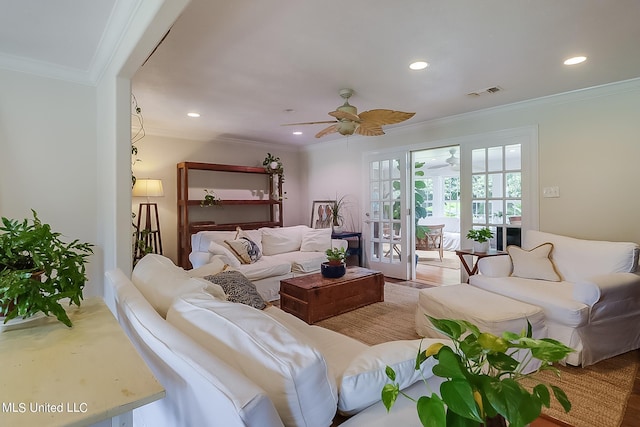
[(48, 157)]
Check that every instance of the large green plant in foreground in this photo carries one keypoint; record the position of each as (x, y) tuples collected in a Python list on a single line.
[(38, 269), (483, 379)]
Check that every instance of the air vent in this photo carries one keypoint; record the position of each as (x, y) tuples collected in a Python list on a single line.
[(492, 89)]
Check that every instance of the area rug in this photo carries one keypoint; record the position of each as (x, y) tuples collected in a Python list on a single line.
[(598, 393)]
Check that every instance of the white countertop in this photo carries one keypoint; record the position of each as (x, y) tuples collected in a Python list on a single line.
[(52, 375)]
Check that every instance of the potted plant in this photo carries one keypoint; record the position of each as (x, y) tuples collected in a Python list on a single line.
[(480, 238), (483, 381), (38, 269), (337, 218), (335, 265), (210, 199)]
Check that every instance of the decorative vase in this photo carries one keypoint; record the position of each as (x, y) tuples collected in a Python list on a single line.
[(481, 246), (333, 271)]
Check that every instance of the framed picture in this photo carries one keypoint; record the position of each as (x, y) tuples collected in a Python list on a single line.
[(321, 213)]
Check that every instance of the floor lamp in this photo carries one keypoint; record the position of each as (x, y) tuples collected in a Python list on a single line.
[(148, 238)]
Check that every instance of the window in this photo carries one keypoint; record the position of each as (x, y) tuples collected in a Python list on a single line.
[(497, 189)]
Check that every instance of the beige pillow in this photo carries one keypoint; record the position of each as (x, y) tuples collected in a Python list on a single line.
[(245, 249), (316, 240), (533, 264)]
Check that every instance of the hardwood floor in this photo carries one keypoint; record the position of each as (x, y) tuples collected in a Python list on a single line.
[(427, 275)]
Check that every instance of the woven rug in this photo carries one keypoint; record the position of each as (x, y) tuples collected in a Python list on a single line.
[(598, 393)]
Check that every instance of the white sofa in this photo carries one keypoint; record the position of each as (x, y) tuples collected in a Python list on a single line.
[(286, 252), (593, 307), (229, 364)]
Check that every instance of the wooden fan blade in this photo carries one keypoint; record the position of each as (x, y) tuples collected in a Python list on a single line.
[(309, 123), (342, 115), (327, 131), (385, 117), (369, 129)]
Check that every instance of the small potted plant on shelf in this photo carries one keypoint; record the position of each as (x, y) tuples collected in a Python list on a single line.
[(210, 199), (335, 265), (38, 269), (480, 239), (483, 381)]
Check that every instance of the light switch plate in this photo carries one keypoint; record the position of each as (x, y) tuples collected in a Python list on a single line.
[(551, 191)]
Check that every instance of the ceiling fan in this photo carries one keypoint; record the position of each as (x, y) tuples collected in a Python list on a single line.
[(367, 123), (452, 161)]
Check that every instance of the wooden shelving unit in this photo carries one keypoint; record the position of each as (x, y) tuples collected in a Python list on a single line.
[(186, 227)]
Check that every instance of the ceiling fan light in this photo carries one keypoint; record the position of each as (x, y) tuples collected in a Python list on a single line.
[(418, 65)]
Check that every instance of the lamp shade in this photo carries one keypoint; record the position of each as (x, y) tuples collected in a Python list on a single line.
[(147, 188)]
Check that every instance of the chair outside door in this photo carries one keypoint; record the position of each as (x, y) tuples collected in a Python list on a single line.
[(432, 240)]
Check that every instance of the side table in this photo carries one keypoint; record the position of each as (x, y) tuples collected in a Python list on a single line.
[(347, 235), (474, 265)]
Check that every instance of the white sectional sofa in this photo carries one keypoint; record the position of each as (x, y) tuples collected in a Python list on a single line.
[(228, 364), (286, 252), (589, 290)]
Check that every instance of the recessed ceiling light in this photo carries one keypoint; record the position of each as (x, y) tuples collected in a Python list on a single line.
[(575, 60), (297, 132), (418, 65), (193, 115)]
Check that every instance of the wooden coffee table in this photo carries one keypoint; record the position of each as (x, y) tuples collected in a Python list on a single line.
[(313, 297)]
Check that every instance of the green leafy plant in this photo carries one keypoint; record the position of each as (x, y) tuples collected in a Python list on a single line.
[(273, 165), (337, 209), (483, 380), (210, 199), (420, 197), (38, 269), (480, 235), (336, 255)]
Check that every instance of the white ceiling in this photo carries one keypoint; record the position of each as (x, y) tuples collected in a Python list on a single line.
[(242, 63)]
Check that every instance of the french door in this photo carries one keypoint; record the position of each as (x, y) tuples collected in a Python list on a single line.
[(386, 214), (499, 185)]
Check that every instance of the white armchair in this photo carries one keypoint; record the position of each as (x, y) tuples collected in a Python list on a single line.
[(591, 307)]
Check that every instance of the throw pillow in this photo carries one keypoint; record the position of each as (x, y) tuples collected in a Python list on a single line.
[(238, 288), (215, 265), (365, 376), (227, 255), (245, 249), (254, 235), (533, 264), (316, 240), (161, 281)]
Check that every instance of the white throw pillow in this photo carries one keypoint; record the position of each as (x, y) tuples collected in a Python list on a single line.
[(215, 265), (245, 249), (281, 361), (228, 256), (161, 281), (280, 240), (364, 378), (318, 240), (254, 235), (533, 264)]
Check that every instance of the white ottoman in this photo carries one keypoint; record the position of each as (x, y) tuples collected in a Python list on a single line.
[(490, 312)]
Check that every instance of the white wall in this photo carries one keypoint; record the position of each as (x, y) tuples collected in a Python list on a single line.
[(588, 147), (48, 157), (159, 156)]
